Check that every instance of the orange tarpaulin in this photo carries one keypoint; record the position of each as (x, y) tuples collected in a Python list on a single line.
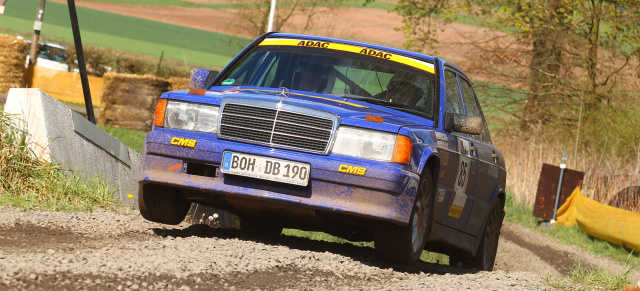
[(615, 225)]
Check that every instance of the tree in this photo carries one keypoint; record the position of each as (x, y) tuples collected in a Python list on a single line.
[(418, 24), (573, 59)]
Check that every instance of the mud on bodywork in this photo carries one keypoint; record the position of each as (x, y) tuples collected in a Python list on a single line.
[(329, 108)]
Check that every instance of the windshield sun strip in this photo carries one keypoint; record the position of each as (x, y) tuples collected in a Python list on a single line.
[(351, 48)]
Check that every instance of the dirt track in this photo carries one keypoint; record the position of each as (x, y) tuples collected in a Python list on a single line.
[(107, 250)]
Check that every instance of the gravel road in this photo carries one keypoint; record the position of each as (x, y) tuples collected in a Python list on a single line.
[(122, 251)]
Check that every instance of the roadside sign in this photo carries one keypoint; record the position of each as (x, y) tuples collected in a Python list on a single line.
[(548, 187)]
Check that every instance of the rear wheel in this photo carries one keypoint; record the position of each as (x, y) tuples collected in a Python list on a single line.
[(485, 257), (404, 244), (162, 204)]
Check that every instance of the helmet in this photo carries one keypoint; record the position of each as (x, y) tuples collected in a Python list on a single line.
[(401, 89), (312, 76)]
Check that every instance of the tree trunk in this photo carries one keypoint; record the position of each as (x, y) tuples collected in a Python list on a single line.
[(592, 54)]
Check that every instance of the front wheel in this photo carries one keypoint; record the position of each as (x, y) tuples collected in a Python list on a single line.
[(162, 204), (404, 244), (485, 257)]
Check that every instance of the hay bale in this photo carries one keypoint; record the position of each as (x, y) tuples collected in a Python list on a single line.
[(13, 56), (179, 83), (129, 101)]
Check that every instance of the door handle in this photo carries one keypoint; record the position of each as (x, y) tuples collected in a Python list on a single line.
[(474, 150), (495, 158)]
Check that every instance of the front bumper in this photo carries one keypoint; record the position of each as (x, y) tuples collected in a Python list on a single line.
[(386, 192)]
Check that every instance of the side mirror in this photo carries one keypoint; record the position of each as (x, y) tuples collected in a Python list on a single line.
[(200, 78), (456, 122)]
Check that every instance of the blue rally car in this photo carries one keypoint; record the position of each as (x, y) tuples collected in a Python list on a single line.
[(358, 140)]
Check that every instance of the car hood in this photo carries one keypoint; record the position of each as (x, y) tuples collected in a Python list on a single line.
[(351, 112)]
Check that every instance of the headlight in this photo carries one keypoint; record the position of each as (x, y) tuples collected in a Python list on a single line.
[(373, 145), (364, 143), (191, 116)]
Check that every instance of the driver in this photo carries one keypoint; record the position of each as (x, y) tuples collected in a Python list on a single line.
[(313, 78), (404, 92)]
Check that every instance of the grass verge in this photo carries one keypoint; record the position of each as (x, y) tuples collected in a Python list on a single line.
[(581, 278), (522, 215), (134, 139), (28, 183)]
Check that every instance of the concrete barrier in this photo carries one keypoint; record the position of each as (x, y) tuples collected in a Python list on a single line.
[(64, 137)]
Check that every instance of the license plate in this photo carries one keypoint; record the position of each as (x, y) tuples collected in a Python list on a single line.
[(265, 168)]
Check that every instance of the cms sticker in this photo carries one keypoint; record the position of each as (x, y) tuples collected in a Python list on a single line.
[(360, 171), (184, 142)]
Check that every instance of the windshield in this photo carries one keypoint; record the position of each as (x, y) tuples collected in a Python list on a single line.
[(358, 76)]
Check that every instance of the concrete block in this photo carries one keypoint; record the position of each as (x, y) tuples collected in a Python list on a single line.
[(64, 137)]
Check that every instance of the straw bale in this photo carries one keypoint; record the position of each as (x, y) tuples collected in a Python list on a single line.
[(13, 56), (129, 101), (179, 83)]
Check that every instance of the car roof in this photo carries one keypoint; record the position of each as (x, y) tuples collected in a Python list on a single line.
[(374, 46), (47, 43)]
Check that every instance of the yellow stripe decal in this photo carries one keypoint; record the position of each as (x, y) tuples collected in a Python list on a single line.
[(352, 49)]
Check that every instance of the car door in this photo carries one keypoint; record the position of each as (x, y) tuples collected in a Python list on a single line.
[(459, 162), (487, 170)]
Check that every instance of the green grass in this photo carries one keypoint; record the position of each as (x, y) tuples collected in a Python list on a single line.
[(158, 2), (134, 139), (177, 3), (28, 183), (571, 235), (581, 278), (126, 34)]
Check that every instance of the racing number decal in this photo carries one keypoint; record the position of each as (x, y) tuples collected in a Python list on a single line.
[(463, 167), (463, 174), (462, 179)]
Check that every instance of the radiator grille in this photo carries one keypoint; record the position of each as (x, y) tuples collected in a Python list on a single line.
[(276, 128)]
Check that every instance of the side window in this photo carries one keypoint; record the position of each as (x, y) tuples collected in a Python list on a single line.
[(454, 98), (473, 109)]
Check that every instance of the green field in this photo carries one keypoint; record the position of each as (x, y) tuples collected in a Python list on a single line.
[(127, 34)]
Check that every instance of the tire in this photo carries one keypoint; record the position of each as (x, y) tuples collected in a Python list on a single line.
[(404, 244), (162, 204), (485, 257)]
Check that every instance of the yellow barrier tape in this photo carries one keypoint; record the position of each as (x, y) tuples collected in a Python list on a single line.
[(352, 49), (612, 224)]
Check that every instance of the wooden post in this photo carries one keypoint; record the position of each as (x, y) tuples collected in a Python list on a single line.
[(37, 26), (159, 64), (2, 2)]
